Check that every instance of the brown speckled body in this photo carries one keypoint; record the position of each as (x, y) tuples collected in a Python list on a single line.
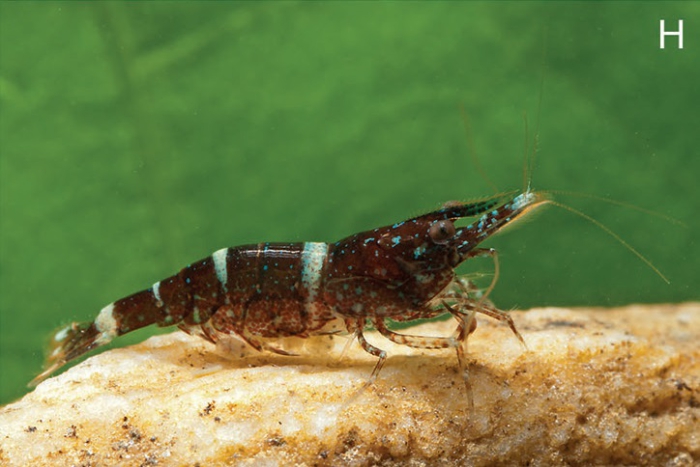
[(403, 271)]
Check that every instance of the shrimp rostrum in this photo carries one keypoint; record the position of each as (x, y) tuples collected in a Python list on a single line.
[(257, 292)]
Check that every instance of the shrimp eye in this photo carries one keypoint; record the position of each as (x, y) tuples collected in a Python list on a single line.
[(441, 231)]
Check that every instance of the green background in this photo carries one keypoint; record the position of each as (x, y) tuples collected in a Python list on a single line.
[(136, 138)]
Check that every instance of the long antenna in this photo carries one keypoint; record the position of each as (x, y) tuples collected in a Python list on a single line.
[(623, 204), (472, 149), (527, 170), (613, 235), (535, 139)]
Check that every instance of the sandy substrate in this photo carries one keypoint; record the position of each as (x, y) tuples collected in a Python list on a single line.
[(599, 386)]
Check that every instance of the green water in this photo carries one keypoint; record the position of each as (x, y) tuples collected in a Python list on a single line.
[(136, 138)]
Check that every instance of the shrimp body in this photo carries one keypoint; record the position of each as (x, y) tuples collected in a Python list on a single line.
[(402, 272)]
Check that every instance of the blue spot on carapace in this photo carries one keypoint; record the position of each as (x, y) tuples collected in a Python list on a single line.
[(494, 212), (265, 267), (368, 240), (346, 286), (187, 279), (349, 268), (418, 251), (396, 226), (396, 240)]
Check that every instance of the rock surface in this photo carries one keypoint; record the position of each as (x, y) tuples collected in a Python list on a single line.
[(603, 386)]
